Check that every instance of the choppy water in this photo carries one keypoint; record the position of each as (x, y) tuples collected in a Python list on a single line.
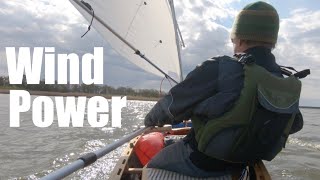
[(29, 152)]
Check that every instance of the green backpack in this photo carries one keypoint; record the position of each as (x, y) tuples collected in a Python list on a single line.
[(263, 114)]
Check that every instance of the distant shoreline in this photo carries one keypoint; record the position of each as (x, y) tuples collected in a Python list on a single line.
[(76, 94), (309, 107)]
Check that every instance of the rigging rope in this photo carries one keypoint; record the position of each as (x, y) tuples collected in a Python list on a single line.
[(166, 77), (90, 8)]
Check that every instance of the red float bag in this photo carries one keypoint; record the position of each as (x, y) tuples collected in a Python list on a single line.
[(148, 146)]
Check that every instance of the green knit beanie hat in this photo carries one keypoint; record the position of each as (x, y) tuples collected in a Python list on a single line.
[(257, 21)]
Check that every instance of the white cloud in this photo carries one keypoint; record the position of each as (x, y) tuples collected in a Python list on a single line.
[(301, 33), (44, 9), (298, 46), (37, 23), (203, 30), (196, 16)]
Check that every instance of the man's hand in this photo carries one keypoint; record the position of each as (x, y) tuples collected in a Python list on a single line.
[(149, 121)]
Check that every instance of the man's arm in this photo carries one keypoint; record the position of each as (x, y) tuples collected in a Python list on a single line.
[(178, 104)]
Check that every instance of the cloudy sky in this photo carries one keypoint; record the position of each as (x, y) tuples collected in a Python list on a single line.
[(205, 26)]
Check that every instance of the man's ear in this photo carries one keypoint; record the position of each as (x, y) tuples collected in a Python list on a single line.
[(241, 42)]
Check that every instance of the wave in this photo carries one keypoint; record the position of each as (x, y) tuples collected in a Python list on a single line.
[(299, 142)]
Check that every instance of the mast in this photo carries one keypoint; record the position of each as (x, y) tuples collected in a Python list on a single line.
[(136, 51), (176, 30)]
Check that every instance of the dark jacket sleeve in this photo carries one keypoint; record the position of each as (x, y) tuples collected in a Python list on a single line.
[(178, 104), (297, 123)]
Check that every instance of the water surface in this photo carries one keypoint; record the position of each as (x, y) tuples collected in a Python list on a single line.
[(29, 152)]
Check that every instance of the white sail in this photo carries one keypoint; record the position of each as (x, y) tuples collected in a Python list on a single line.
[(147, 25)]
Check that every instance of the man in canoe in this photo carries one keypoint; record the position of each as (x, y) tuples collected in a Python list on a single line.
[(242, 108)]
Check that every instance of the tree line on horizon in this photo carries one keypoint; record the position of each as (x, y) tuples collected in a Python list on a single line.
[(80, 88)]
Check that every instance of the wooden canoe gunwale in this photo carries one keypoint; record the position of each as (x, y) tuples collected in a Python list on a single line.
[(122, 164)]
